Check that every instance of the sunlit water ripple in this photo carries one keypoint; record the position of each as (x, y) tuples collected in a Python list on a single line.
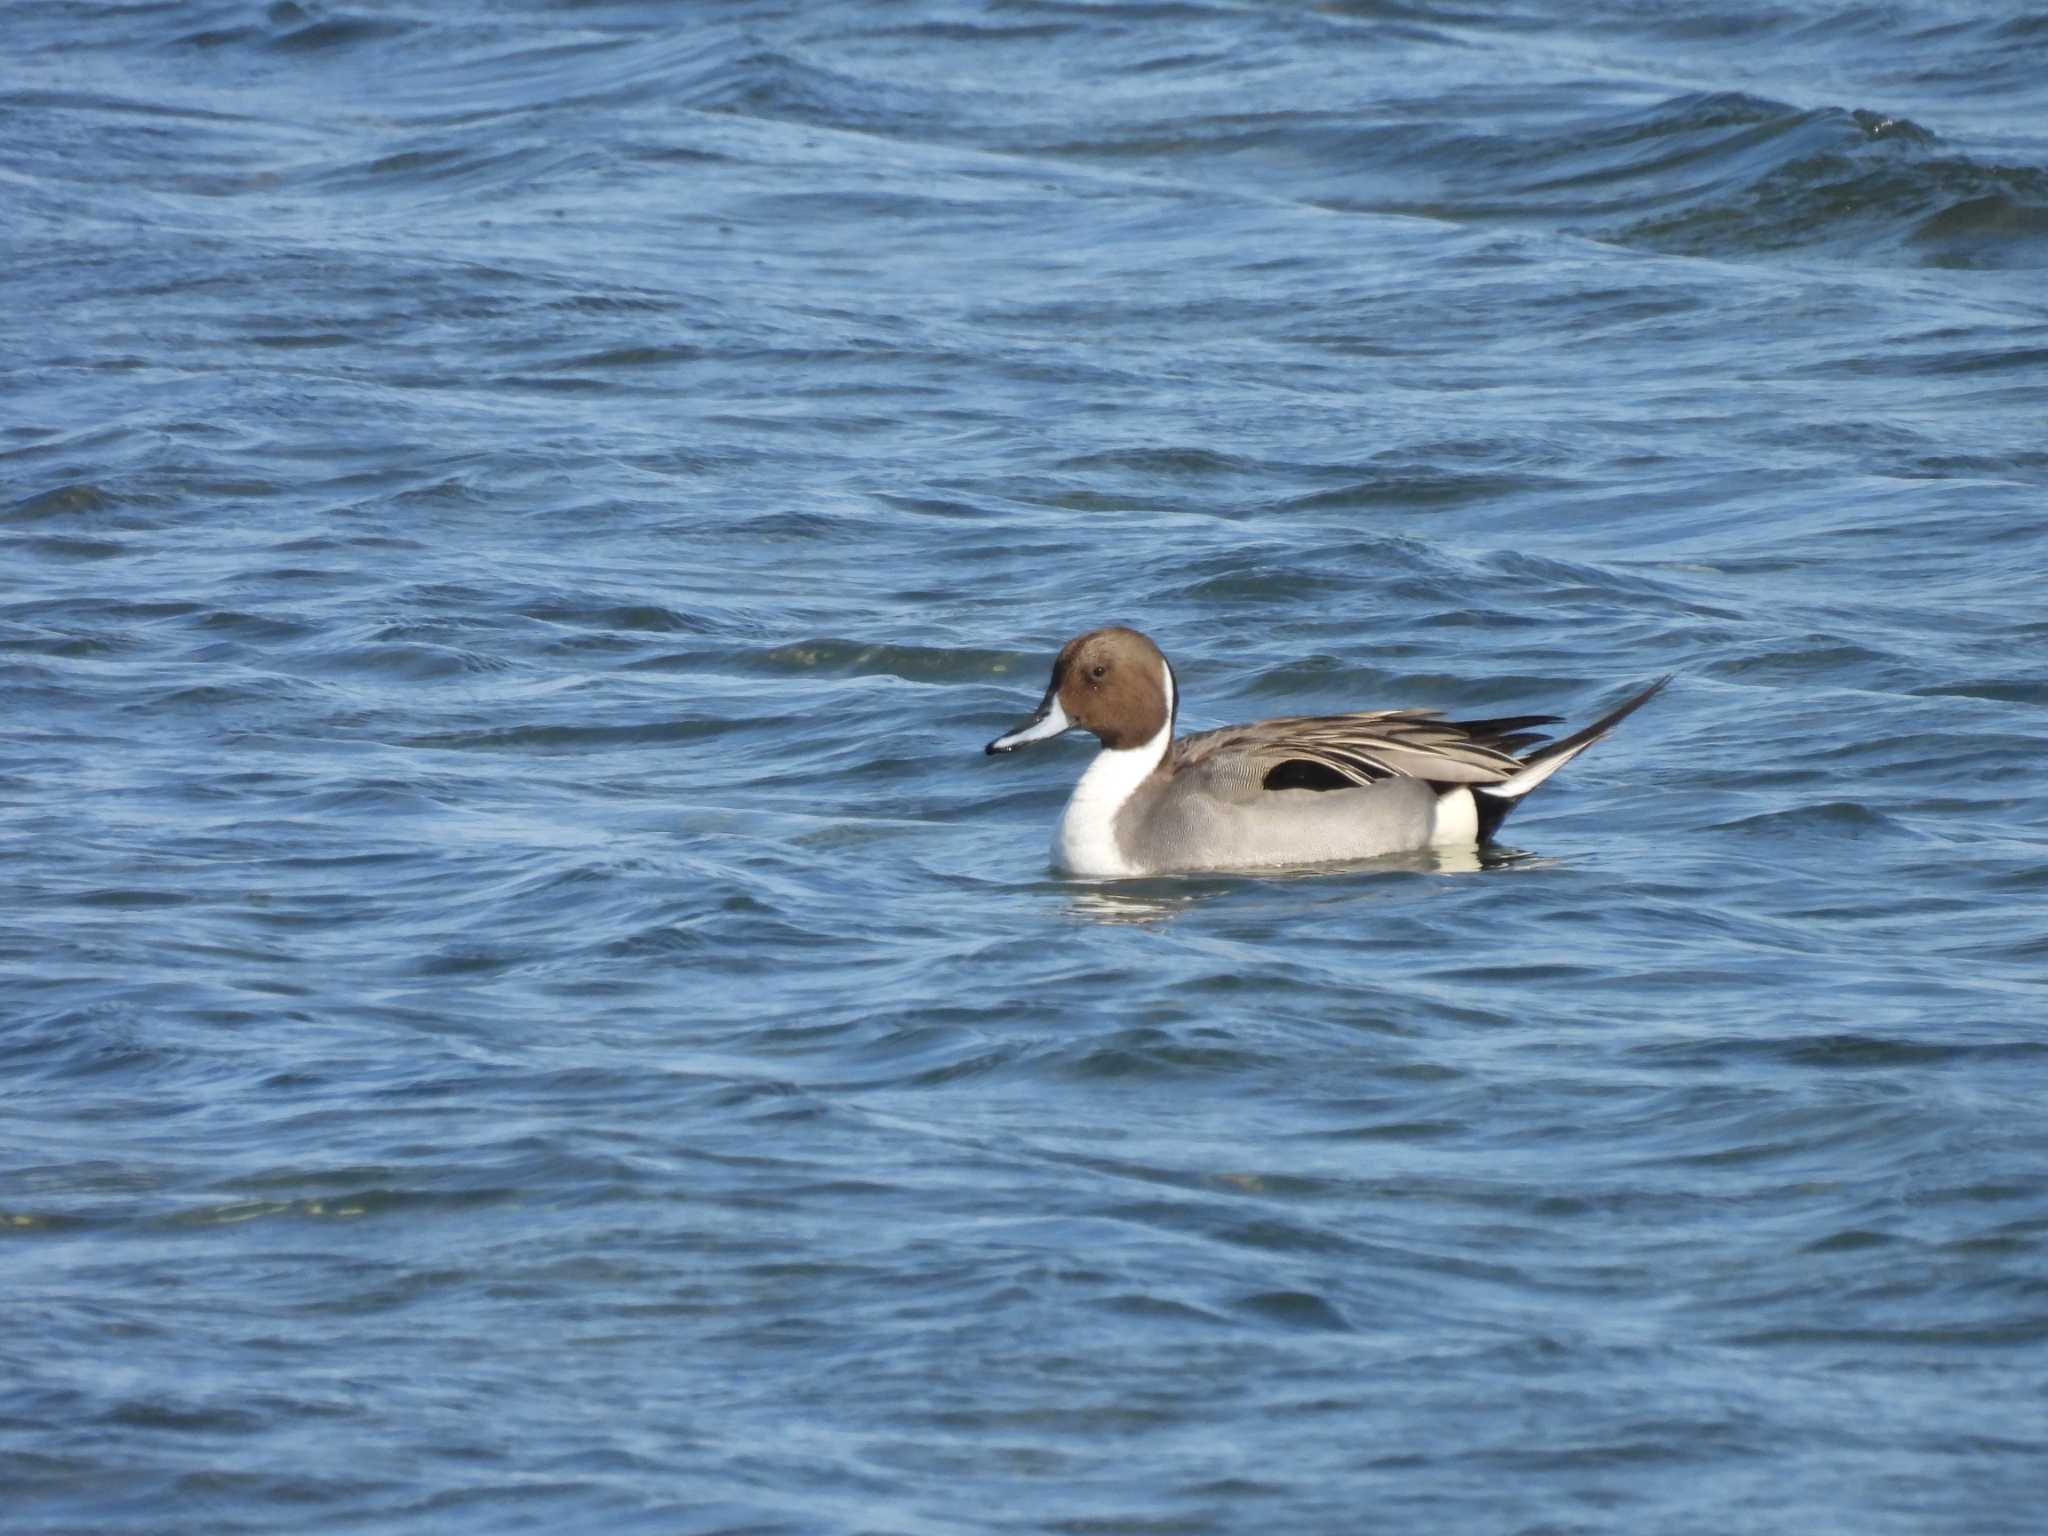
[(525, 1004)]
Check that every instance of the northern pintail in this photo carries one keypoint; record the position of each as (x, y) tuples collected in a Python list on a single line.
[(1307, 789)]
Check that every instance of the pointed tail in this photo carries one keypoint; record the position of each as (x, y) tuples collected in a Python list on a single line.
[(1541, 764)]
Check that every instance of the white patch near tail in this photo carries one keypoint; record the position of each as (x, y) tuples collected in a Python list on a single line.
[(1457, 819)]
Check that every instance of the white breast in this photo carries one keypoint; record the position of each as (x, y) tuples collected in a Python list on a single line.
[(1085, 842)]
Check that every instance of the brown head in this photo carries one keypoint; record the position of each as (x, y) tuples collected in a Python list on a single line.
[(1113, 682)]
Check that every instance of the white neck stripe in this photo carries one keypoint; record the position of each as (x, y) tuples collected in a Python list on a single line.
[(1086, 843)]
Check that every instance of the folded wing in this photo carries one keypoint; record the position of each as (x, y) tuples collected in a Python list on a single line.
[(1339, 751)]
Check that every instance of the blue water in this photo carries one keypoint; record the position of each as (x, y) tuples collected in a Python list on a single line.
[(523, 1005)]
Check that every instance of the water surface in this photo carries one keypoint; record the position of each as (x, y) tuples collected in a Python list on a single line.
[(525, 1005)]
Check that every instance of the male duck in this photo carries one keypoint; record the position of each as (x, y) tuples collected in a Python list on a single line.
[(1302, 790)]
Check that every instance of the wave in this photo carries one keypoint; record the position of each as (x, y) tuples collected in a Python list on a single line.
[(484, 113), (1835, 182), (1717, 174)]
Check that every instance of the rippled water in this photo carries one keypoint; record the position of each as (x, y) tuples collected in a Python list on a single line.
[(525, 1003)]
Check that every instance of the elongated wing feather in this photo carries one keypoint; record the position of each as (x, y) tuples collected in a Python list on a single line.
[(1362, 748)]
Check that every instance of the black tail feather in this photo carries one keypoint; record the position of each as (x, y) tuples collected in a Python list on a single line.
[(1493, 807), (1600, 727)]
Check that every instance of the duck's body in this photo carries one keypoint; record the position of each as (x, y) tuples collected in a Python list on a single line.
[(1302, 790)]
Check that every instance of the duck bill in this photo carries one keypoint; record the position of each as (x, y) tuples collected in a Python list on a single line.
[(1049, 722)]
